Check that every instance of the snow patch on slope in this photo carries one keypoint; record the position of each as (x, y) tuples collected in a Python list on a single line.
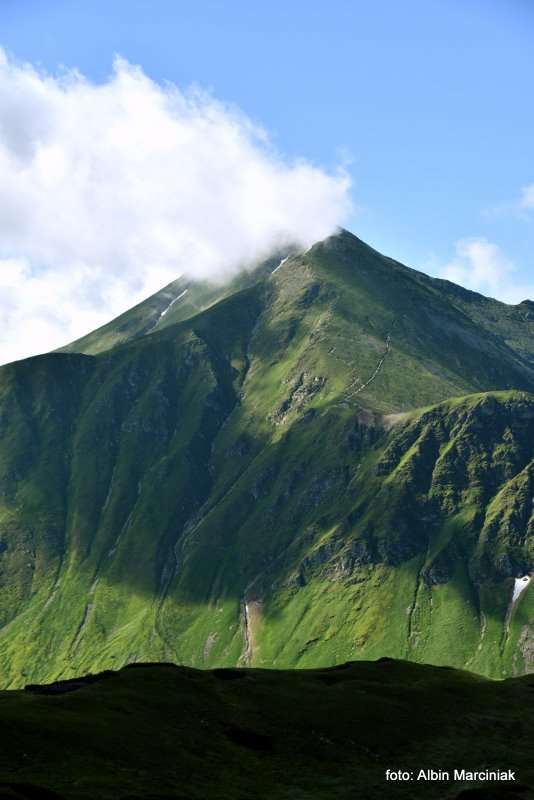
[(282, 262), (520, 584), (166, 310)]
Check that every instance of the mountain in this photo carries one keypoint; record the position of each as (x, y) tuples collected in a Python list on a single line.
[(331, 458), (180, 300), (161, 732)]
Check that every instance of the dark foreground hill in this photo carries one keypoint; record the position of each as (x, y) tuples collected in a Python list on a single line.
[(326, 460), (160, 732)]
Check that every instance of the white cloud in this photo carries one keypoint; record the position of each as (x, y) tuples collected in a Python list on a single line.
[(526, 203), (482, 266), (518, 208), (107, 192)]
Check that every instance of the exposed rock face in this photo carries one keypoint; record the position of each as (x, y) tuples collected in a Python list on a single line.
[(301, 391)]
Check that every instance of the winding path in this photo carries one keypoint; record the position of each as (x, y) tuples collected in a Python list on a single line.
[(375, 373)]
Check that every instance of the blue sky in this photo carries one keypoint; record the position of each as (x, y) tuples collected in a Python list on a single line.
[(430, 102)]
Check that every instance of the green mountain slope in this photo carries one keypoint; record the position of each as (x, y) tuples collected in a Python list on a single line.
[(180, 300), (158, 731), (257, 483)]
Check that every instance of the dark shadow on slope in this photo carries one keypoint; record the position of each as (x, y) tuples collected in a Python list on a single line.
[(27, 791), (150, 732), (502, 792)]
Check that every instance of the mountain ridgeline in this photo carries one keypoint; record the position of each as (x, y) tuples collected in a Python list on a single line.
[(330, 458)]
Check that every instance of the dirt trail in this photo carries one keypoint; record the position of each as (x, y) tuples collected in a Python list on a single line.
[(378, 367)]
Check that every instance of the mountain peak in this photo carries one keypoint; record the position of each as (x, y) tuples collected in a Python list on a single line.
[(306, 465)]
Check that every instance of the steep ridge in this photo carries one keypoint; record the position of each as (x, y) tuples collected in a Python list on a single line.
[(254, 484), (178, 301)]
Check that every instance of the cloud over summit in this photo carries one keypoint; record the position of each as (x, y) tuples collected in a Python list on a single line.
[(110, 191)]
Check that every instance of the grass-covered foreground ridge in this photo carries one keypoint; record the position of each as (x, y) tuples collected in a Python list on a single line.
[(327, 460), (175, 733)]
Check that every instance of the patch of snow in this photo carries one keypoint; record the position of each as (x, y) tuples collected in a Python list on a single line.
[(283, 261), (520, 584), (172, 303)]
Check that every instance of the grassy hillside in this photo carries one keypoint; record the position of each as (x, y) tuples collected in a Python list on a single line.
[(334, 461), (166, 732), (180, 300)]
